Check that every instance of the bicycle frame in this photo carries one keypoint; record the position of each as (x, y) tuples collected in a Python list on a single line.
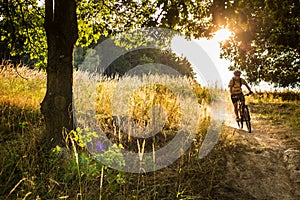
[(244, 114)]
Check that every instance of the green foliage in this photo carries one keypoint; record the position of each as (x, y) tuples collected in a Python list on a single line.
[(113, 156), (22, 32), (107, 18), (88, 59), (187, 17), (148, 56), (265, 43), (266, 39), (278, 96)]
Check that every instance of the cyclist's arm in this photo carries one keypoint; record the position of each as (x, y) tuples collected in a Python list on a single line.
[(230, 89), (248, 87)]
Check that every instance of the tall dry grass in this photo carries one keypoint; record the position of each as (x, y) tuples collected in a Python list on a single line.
[(139, 104), (28, 172), (71, 173)]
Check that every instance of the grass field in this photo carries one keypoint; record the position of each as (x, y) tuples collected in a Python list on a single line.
[(28, 172)]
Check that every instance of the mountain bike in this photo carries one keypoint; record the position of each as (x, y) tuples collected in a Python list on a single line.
[(244, 114)]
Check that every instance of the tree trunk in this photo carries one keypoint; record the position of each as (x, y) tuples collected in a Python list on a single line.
[(62, 33)]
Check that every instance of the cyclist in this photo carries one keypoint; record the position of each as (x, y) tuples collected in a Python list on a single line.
[(235, 88)]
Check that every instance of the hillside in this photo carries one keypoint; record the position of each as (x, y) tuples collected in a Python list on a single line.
[(267, 166)]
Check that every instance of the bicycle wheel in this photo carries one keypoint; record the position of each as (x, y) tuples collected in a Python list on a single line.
[(247, 118), (239, 122), (242, 121)]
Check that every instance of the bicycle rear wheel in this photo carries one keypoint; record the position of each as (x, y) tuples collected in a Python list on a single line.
[(239, 122), (247, 118)]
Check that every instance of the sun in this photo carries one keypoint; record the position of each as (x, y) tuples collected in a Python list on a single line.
[(222, 35)]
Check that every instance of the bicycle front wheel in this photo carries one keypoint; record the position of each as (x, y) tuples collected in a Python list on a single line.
[(239, 122), (247, 118)]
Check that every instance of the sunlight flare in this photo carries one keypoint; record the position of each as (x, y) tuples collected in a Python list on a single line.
[(222, 35)]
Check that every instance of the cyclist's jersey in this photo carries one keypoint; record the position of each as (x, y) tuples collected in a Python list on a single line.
[(237, 87)]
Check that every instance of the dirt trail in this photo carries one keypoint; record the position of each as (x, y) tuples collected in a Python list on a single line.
[(266, 168)]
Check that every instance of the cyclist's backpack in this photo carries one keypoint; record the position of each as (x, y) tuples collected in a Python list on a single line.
[(233, 81)]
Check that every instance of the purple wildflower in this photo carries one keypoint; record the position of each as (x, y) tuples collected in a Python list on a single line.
[(99, 146)]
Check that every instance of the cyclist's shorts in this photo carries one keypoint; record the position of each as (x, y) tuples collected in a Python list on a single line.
[(236, 97)]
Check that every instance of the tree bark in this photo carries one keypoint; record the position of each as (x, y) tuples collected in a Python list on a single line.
[(62, 33)]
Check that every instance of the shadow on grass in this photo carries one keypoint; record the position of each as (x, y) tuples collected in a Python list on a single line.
[(15, 120)]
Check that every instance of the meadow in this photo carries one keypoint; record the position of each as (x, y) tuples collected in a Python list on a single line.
[(28, 171)]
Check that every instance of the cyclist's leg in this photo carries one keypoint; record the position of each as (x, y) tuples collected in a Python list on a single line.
[(236, 110), (234, 99), (242, 98)]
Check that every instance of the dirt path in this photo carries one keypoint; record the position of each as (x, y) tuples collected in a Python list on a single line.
[(266, 168)]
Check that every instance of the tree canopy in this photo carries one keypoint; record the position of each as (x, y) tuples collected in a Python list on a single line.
[(265, 44), (22, 34), (22, 31), (266, 40)]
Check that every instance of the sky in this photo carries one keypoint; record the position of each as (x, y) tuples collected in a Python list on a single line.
[(212, 48), (204, 55)]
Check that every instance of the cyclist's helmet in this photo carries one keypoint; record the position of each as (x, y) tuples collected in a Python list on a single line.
[(237, 72)]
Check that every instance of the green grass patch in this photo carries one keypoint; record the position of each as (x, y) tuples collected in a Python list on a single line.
[(284, 115)]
